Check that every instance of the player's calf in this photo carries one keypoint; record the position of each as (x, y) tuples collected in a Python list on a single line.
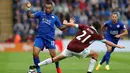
[(93, 60)]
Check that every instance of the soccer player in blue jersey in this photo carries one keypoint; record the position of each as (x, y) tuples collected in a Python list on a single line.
[(46, 32), (112, 30)]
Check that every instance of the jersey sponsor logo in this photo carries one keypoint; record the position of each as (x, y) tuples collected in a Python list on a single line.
[(44, 20), (114, 32)]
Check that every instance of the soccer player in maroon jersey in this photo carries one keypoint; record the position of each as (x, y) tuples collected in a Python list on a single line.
[(78, 46)]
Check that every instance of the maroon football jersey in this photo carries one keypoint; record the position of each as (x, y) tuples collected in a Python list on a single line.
[(85, 36)]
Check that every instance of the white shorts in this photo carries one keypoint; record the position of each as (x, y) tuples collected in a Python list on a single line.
[(83, 54)]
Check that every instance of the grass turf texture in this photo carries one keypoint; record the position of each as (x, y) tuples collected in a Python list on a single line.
[(18, 62)]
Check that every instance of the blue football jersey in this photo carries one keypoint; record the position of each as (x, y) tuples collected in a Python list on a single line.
[(46, 25), (114, 29)]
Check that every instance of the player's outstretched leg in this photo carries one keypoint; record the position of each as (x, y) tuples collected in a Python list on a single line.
[(107, 61), (93, 60), (101, 62), (108, 58), (36, 59), (48, 61), (53, 54), (44, 62)]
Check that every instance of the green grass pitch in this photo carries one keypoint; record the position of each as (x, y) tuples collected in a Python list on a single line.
[(19, 62)]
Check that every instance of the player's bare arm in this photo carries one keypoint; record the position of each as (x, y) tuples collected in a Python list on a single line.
[(71, 23), (125, 32), (68, 24), (29, 14), (113, 45), (63, 27)]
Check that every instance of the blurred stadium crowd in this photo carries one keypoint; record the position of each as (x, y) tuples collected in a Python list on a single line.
[(84, 11)]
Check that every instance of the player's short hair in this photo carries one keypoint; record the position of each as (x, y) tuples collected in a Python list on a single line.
[(115, 13), (49, 3)]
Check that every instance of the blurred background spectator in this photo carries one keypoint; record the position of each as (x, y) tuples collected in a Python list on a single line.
[(84, 11)]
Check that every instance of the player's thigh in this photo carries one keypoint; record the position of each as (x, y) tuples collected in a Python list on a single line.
[(109, 48), (67, 53), (93, 54), (82, 54), (52, 52), (38, 45), (36, 51), (59, 57), (50, 45)]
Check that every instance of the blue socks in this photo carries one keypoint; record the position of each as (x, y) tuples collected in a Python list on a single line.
[(106, 58), (103, 60), (57, 64), (36, 61)]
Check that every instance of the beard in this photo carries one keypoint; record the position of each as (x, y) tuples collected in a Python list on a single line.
[(114, 21)]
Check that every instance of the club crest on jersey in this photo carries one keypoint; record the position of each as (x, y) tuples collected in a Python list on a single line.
[(53, 17), (118, 26)]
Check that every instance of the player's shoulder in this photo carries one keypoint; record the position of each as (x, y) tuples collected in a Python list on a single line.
[(54, 16), (83, 26), (108, 21), (120, 22), (41, 12)]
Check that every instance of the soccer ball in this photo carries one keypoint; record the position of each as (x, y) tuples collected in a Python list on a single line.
[(31, 71)]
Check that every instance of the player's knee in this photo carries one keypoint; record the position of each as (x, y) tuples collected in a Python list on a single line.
[(53, 54), (95, 55), (35, 53), (109, 49)]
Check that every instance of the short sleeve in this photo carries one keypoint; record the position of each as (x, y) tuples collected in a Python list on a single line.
[(81, 26), (57, 22), (123, 26), (103, 40), (37, 14), (106, 23)]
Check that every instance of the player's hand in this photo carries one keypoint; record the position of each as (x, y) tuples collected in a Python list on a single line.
[(102, 36), (65, 22), (121, 47), (118, 36), (72, 20), (28, 4)]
